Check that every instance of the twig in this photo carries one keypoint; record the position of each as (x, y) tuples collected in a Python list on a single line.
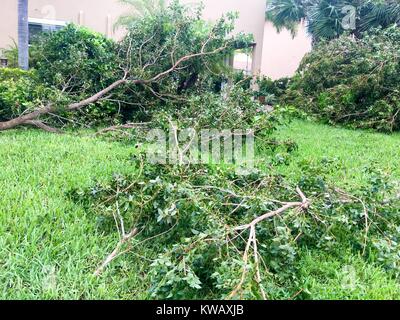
[(252, 240), (115, 253)]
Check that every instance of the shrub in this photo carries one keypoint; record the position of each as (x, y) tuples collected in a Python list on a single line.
[(76, 54), (352, 81), (19, 91), (78, 62)]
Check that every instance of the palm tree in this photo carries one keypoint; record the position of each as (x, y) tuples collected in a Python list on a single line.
[(324, 17), (138, 9), (23, 35)]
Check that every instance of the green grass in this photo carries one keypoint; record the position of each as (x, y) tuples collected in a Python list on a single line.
[(351, 151), (342, 275), (348, 277), (50, 245)]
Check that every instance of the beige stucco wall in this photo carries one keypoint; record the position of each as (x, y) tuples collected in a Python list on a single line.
[(100, 15), (282, 53), (251, 20), (8, 22)]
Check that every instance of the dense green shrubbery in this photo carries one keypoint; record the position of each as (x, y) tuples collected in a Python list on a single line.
[(19, 91), (75, 59), (78, 62), (352, 81)]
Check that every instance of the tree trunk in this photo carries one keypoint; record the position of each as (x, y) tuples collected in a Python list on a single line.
[(23, 35)]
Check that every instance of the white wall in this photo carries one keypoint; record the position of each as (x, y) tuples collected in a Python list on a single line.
[(251, 20), (282, 53)]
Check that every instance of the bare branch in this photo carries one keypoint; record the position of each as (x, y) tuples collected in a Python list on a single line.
[(43, 126), (252, 240), (116, 252)]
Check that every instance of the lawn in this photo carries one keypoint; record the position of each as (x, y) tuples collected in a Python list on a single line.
[(50, 245), (351, 150)]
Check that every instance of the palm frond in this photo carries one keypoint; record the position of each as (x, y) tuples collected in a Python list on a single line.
[(286, 14), (137, 9)]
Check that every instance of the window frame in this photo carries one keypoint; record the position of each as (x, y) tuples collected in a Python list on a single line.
[(46, 23)]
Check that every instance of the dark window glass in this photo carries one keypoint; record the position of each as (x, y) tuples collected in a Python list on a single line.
[(36, 29)]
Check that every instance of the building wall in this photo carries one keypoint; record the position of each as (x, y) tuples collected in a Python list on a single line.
[(251, 20), (282, 53), (100, 15), (8, 22)]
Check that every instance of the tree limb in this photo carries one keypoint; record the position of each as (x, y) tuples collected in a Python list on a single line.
[(50, 108), (115, 252), (43, 126), (252, 240)]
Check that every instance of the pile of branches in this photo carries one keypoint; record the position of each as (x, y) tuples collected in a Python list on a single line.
[(216, 234), (352, 81)]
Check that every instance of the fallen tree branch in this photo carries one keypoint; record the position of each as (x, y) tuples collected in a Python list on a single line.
[(115, 252), (252, 240), (126, 79), (43, 126)]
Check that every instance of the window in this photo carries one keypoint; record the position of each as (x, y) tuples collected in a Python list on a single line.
[(3, 62), (37, 26), (243, 60)]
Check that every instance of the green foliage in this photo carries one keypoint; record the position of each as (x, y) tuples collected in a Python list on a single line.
[(326, 18), (73, 241), (235, 108), (352, 81), (75, 59), (189, 214), (155, 43), (11, 54), (77, 62), (19, 91)]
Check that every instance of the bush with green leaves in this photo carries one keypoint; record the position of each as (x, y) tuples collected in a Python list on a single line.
[(77, 62), (19, 91), (75, 59), (352, 81)]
